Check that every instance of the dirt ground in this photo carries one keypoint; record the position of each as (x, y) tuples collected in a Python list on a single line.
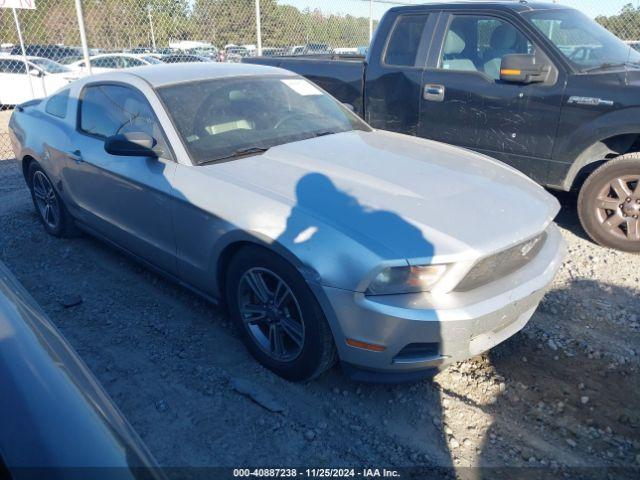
[(564, 394), (5, 144)]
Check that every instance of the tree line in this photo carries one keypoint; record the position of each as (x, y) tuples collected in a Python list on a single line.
[(625, 25), (115, 24)]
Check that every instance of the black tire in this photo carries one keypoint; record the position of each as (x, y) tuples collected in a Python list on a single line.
[(624, 208), (318, 351), (64, 226)]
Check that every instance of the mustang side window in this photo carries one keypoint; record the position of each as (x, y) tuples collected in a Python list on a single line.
[(57, 105), (107, 110)]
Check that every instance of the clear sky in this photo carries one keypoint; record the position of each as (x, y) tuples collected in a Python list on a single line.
[(592, 8)]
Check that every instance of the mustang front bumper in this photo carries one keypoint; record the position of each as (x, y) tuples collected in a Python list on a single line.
[(418, 333)]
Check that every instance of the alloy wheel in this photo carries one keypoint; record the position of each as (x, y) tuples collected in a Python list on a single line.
[(46, 200), (618, 207), (271, 313)]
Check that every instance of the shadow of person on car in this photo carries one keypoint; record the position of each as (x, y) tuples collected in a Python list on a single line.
[(321, 207), (570, 396)]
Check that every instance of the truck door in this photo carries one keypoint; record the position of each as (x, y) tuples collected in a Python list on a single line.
[(394, 83), (465, 103)]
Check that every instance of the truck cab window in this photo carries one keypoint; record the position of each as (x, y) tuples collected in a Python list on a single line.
[(402, 49), (478, 43)]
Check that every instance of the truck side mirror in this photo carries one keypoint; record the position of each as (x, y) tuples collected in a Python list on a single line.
[(35, 72), (522, 68)]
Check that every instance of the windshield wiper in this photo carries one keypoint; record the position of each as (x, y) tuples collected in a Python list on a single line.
[(606, 66), (242, 152), (324, 133)]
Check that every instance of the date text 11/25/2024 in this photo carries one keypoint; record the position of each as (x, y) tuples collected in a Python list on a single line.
[(316, 473)]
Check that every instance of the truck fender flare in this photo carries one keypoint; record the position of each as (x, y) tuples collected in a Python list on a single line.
[(587, 146)]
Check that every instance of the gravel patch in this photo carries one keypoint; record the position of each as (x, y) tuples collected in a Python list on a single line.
[(563, 393)]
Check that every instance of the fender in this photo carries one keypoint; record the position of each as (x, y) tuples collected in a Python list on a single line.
[(311, 276), (587, 145), (261, 240)]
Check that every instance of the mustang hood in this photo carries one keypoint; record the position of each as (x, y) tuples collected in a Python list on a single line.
[(410, 197)]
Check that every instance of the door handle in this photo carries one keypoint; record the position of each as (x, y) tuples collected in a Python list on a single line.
[(434, 93), (76, 156)]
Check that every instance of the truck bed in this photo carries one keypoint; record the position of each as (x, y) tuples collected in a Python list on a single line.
[(342, 76)]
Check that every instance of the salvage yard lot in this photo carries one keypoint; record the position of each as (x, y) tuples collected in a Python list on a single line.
[(565, 392)]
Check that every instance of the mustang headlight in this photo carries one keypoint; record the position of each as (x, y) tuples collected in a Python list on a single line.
[(406, 279)]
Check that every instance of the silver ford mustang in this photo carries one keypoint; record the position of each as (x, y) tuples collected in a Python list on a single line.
[(324, 238)]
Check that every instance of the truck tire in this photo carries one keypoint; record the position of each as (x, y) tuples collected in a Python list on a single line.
[(609, 204), (277, 315)]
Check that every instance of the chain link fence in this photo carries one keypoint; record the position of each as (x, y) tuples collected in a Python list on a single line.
[(125, 33)]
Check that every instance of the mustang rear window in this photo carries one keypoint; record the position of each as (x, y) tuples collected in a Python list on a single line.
[(57, 105)]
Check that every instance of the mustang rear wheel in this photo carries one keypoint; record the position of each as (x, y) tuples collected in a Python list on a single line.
[(609, 204), (51, 210), (278, 316)]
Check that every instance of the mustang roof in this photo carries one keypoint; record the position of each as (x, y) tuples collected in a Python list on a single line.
[(161, 75)]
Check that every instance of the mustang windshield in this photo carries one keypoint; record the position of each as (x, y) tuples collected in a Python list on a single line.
[(223, 118), (587, 45)]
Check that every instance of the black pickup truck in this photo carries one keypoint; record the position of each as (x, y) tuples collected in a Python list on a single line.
[(536, 85)]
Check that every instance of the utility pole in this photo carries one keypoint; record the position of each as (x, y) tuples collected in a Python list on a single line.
[(258, 29), (153, 33), (83, 35), (24, 52), (370, 20)]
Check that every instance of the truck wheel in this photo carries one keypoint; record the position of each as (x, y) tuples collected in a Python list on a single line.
[(278, 317), (609, 204), (49, 206)]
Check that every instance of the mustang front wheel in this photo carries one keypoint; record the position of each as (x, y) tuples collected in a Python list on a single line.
[(278, 316)]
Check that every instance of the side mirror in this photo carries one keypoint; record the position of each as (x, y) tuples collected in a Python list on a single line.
[(522, 68), (134, 144), (35, 72)]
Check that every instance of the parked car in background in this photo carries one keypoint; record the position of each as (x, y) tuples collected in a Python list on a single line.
[(323, 236), (539, 86), (273, 51), (70, 59), (294, 50), (164, 51), (115, 61), (635, 44), (56, 418), (52, 52), (235, 53), (184, 58), (46, 76), (346, 51), (209, 53), (141, 50), (317, 49)]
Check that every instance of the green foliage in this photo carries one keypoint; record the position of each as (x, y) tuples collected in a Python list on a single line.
[(116, 24), (625, 25)]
